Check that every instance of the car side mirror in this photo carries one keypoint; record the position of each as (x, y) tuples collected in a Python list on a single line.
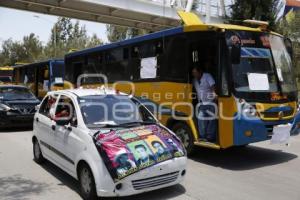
[(234, 44), (37, 107)]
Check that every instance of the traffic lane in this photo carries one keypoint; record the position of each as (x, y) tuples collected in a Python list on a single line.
[(256, 172), (22, 178), (260, 171)]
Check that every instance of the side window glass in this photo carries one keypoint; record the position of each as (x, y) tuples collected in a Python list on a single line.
[(48, 106), (66, 110)]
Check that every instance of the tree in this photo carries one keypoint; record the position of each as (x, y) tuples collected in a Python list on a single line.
[(289, 26), (265, 10), (117, 33), (64, 37), (69, 36), (30, 49)]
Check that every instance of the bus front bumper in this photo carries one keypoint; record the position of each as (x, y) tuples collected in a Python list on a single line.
[(248, 130)]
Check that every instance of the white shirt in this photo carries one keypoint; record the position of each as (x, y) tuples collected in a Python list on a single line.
[(204, 90)]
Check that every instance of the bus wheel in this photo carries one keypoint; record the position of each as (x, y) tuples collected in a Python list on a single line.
[(185, 134)]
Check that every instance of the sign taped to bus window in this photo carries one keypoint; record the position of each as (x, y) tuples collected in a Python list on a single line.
[(258, 81), (148, 68)]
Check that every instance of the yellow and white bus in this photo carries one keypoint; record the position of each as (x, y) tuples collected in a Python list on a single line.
[(6, 74), (251, 66)]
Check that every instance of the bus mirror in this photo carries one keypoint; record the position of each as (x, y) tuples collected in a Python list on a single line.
[(289, 46), (235, 54), (235, 47)]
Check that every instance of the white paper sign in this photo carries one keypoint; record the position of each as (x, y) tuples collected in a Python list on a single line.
[(58, 80), (45, 85), (258, 81), (148, 67), (281, 134)]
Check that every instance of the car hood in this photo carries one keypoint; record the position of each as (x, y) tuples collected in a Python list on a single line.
[(20, 102), (130, 150)]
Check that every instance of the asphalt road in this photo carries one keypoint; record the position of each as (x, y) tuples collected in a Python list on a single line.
[(261, 171)]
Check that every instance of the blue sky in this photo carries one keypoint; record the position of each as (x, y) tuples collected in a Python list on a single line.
[(15, 24)]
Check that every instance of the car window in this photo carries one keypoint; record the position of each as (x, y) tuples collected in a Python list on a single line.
[(66, 110), (48, 105)]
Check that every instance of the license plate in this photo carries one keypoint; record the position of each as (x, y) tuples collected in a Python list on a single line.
[(281, 134)]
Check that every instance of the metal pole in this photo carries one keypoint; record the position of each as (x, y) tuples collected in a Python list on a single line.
[(189, 5), (208, 14), (55, 30), (223, 11)]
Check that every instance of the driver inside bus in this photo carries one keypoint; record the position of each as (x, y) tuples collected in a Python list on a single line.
[(204, 85)]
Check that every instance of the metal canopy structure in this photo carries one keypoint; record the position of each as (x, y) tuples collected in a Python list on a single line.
[(147, 14)]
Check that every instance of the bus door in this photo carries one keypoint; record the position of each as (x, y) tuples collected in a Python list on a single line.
[(42, 80), (226, 102)]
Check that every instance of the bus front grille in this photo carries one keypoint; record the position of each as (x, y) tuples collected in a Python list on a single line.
[(272, 115), (155, 181)]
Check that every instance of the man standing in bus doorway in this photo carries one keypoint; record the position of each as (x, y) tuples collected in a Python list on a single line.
[(204, 85)]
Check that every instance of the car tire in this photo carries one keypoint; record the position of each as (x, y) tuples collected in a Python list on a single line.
[(87, 183), (184, 132), (37, 153)]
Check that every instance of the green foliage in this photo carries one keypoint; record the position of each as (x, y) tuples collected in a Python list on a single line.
[(65, 36), (69, 36), (289, 26), (265, 10), (28, 50), (119, 33)]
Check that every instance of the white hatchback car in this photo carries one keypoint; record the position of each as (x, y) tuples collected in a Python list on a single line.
[(108, 141)]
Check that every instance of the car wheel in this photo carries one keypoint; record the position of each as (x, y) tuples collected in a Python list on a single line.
[(87, 183), (37, 153), (185, 134)]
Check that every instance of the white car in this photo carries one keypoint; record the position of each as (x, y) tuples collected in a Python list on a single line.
[(108, 141)]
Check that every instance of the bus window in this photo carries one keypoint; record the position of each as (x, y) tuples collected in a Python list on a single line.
[(177, 68), (149, 59), (93, 65), (116, 68), (43, 79), (73, 69)]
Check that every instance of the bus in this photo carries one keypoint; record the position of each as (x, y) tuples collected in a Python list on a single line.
[(6, 74), (40, 77), (255, 86)]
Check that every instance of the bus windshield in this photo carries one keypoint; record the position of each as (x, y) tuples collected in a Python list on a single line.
[(265, 66), (254, 63)]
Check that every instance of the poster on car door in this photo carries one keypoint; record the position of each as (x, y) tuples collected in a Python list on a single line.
[(128, 151)]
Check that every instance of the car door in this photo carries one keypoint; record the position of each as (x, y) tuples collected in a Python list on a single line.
[(68, 139), (44, 126)]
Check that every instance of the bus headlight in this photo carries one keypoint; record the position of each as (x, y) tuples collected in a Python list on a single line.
[(247, 110)]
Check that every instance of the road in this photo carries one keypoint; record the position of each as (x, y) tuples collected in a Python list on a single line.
[(260, 171)]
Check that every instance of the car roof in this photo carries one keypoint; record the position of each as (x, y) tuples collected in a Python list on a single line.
[(88, 92)]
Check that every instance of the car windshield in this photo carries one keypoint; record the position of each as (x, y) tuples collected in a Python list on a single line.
[(15, 93), (113, 111)]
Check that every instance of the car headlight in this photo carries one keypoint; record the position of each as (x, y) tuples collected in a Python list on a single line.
[(247, 110), (4, 107)]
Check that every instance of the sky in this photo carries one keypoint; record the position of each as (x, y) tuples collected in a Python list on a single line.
[(16, 24)]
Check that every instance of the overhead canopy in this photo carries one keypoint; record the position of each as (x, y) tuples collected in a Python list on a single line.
[(133, 13)]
